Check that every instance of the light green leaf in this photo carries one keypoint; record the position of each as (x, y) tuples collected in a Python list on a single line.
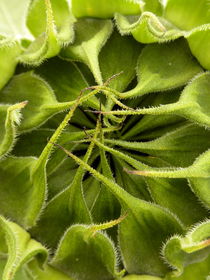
[(91, 35), (104, 8), (32, 270), (42, 102), (38, 96), (175, 195), (28, 175), (11, 117), (106, 207), (147, 28), (85, 254), (194, 247), (187, 14), (19, 247), (15, 175), (61, 178), (201, 188), (49, 31), (13, 19), (47, 273), (163, 67), (8, 62), (63, 19), (119, 54), (199, 42), (46, 45), (66, 80), (154, 6), (193, 271)]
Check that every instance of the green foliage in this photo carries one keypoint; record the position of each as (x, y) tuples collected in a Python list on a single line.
[(104, 140)]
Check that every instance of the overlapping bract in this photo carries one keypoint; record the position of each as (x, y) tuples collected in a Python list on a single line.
[(147, 157)]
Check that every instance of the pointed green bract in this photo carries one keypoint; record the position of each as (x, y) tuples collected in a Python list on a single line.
[(86, 255), (38, 96), (11, 117), (198, 174), (189, 139), (163, 67), (39, 41), (33, 172), (155, 220), (42, 102), (192, 248), (88, 43), (176, 195), (199, 43), (193, 103), (20, 248), (67, 208), (199, 169), (66, 79), (106, 207), (161, 134), (147, 28), (119, 54), (62, 11), (141, 127)]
